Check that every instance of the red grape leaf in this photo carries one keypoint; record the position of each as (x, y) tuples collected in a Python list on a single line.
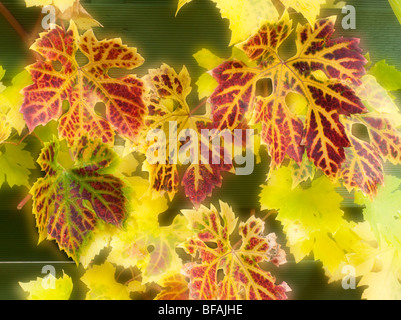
[(384, 137), (84, 86), (69, 203), (167, 104), (363, 167), (243, 276), (284, 132), (175, 287), (365, 157)]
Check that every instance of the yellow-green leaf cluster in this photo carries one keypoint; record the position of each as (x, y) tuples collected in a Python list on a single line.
[(48, 288)]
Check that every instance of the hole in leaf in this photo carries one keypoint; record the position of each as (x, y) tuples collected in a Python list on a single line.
[(264, 87), (65, 106), (288, 49), (360, 131), (150, 248), (81, 59), (211, 245), (220, 275), (57, 66), (100, 109)]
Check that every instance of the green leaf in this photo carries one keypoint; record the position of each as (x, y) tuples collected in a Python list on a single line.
[(11, 100), (384, 213), (15, 165), (396, 5), (310, 223), (387, 76)]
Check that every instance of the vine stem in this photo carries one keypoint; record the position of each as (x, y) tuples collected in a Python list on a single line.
[(25, 36), (14, 23)]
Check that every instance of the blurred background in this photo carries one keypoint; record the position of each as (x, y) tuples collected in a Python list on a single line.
[(151, 26)]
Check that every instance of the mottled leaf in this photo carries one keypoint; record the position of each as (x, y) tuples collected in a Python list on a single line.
[(175, 287), (84, 87), (363, 168), (69, 203), (284, 132), (170, 112), (242, 277)]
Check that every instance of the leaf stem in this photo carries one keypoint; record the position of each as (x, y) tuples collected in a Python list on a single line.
[(18, 143), (22, 204), (198, 106)]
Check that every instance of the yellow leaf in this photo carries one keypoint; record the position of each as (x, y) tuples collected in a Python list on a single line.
[(310, 9), (81, 17), (62, 5), (100, 240), (244, 15), (181, 3), (175, 287), (48, 288), (5, 128), (309, 223), (102, 284), (11, 100)]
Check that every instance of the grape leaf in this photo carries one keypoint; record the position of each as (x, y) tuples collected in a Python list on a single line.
[(84, 86), (125, 170), (79, 15), (384, 212), (10, 103), (15, 165), (396, 6), (69, 203), (144, 243), (388, 76), (363, 167), (5, 128), (285, 133), (102, 284), (150, 247), (68, 10), (243, 276), (49, 288), (309, 9), (175, 287), (310, 224), (244, 15), (377, 265), (62, 5), (302, 172), (384, 284), (167, 104)]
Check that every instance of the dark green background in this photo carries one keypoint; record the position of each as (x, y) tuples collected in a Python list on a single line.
[(151, 26)]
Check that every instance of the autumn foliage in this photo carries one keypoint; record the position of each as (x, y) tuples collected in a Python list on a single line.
[(98, 190)]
